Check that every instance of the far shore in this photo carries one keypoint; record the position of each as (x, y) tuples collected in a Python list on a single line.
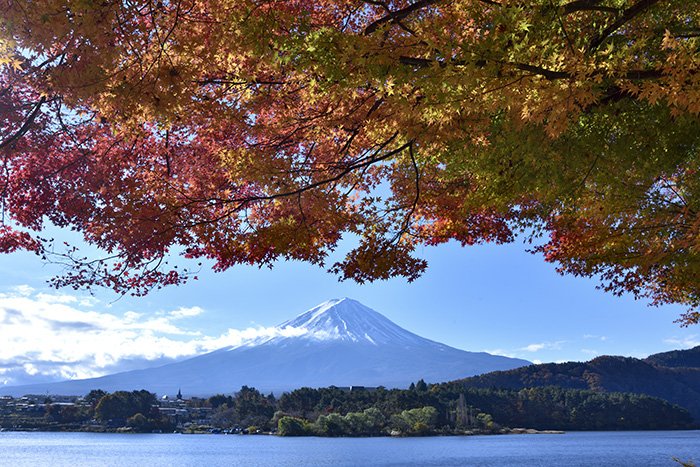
[(216, 431)]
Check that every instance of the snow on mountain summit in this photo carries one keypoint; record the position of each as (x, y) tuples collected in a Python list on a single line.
[(346, 319)]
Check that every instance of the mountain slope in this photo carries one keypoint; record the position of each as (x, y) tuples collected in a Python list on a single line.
[(340, 342), (676, 358), (676, 383)]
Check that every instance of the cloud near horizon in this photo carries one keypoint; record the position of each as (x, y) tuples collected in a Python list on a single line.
[(684, 343), (542, 346), (52, 337)]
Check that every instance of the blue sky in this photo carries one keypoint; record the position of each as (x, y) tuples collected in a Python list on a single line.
[(499, 299)]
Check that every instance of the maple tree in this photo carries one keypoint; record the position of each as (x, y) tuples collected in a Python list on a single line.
[(245, 131)]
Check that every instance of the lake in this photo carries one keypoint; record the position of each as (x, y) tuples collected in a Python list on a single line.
[(651, 448)]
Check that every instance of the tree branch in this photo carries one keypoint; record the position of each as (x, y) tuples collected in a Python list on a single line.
[(587, 5), (398, 15), (627, 16), (550, 75), (25, 127)]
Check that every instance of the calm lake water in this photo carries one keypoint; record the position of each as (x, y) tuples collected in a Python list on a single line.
[(655, 448)]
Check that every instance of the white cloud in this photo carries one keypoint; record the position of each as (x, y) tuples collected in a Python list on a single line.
[(502, 352), (596, 337), (54, 298), (23, 290), (56, 336), (684, 342), (30, 369), (542, 346), (186, 312), (590, 352), (88, 301), (131, 316)]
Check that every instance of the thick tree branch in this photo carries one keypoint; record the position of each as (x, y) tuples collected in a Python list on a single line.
[(407, 220), (550, 75), (359, 164), (25, 127), (426, 63), (627, 16), (419, 62), (398, 15), (241, 202), (586, 5)]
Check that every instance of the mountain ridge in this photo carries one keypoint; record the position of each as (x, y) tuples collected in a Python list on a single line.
[(676, 384)]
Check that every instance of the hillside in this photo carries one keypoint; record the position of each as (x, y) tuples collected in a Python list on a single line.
[(676, 358), (672, 376)]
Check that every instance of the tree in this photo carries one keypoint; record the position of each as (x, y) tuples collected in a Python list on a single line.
[(301, 403), (122, 405), (332, 425), (66, 413), (416, 421), (291, 426), (421, 386), (138, 422), (252, 408), (218, 400), (253, 130), (366, 423), (93, 398), (485, 421)]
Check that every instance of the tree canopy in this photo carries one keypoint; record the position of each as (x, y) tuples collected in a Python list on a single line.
[(251, 130)]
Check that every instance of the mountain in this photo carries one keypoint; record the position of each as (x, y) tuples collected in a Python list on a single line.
[(676, 358), (673, 376), (340, 342)]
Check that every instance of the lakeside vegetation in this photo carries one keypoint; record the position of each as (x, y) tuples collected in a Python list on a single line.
[(436, 409)]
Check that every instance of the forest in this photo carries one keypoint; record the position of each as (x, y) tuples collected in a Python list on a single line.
[(422, 409), (671, 376)]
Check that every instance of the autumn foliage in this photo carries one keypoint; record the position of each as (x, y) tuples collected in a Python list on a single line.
[(244, 131)]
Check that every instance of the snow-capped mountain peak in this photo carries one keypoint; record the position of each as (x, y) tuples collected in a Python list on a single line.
[(346, 319)]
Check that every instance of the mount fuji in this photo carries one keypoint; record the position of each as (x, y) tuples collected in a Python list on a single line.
[(339, 342)]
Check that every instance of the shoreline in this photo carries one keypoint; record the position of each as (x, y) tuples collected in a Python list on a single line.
[(505, 433)]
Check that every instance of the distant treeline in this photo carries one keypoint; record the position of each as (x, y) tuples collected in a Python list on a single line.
[(422, 409), (97, 411), (448, 408), (442, 408)]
